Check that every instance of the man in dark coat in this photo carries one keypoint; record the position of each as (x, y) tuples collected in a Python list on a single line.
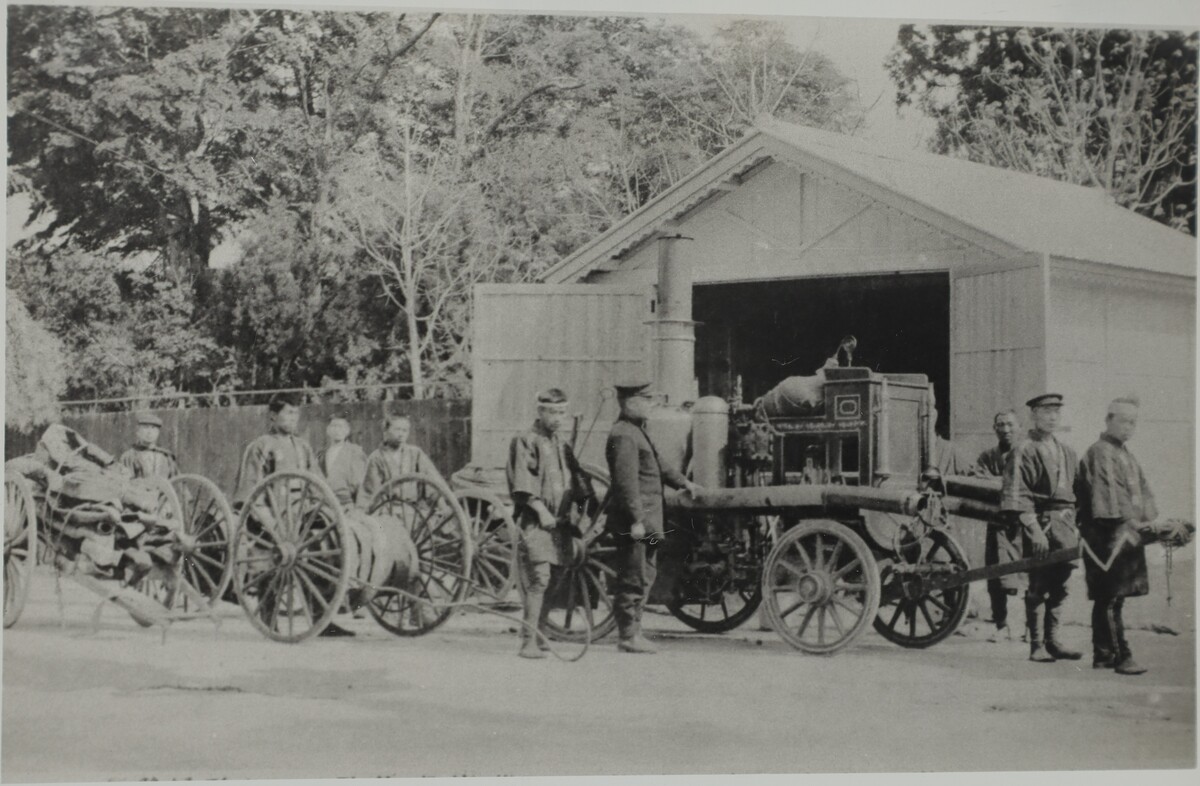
[(146, 459), (1038, 491), (635, 510), (1003, 541), (1115, 504)]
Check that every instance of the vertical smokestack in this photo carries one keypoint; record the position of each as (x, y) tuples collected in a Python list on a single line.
[(674, 330)]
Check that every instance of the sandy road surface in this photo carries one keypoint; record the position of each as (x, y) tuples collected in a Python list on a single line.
[(120, 704)]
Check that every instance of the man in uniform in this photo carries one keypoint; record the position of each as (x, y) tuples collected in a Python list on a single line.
[(542, 476), (395, 457), (635, 512), (343, 462), (146, 459), (1038, 493), (1115, 503), (1002, 544)]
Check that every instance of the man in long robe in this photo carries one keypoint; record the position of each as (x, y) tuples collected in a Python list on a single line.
[(1115, 504), (395, 457)]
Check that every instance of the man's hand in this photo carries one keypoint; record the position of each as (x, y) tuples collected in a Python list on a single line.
[(546, 519), (1037, 538), (692, 488), (637, 531)]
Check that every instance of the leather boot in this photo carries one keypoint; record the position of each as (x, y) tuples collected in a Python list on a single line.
[(1125, 662), (1037, 652), (1053, 645), (531, 617), (632, 639)]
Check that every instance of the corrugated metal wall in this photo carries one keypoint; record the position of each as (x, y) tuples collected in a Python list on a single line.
[(580, 337), (210, 441)]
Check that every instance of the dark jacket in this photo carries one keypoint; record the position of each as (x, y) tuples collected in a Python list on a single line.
[(637, 478)]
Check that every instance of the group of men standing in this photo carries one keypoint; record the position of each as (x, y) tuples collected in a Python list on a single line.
[(1048, 500), (546, 481)]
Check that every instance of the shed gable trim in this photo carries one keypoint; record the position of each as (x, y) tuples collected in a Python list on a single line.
[(705, 182)]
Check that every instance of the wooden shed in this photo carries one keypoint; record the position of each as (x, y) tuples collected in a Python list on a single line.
[(996, 284)]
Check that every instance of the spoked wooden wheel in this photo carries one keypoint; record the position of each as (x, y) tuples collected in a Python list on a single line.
[(720, 586), (291, 565), (208, 524), (20, 544), (579, 597), (821, 586), (430, 514), (910, 614), (494, 538), (168, 511)]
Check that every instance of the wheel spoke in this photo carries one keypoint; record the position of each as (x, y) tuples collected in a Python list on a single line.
[(837, 622), (895, 617), (925, 613), (807, 618), (783, 614), (846, 568)]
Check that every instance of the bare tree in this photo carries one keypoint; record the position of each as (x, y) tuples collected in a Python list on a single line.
[(1081, 114), (412, 221)]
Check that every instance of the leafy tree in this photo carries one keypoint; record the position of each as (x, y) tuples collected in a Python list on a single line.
[(34, 374), (1113, 109)]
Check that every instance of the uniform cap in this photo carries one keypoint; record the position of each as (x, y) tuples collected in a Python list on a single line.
[(149, 419), (1045, 400), (632, 387)]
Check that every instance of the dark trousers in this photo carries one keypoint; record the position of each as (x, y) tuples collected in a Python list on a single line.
[(636, 564), (1108, 629)]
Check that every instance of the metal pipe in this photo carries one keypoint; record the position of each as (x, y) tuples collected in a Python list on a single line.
[(766, 499), (773, 499), (979, 489), (674, 330)]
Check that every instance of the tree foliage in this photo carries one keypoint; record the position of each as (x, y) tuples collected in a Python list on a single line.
[(371, 167), (34, 375), (1114, 109)]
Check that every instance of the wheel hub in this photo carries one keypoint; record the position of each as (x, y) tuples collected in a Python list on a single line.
[(815, 587), (285, 554)]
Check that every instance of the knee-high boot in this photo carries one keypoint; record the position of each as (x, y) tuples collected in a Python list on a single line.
[(1037, 652)]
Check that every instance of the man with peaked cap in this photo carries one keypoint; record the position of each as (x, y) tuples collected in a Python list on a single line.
[(1115, 504), (146, 459), (635, 510), (543, 480), (1038, 493)]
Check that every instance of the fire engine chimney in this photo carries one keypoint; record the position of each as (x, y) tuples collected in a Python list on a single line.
[(674, 330)]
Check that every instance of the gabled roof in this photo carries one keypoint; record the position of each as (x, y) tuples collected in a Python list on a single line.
[(1022, 213)]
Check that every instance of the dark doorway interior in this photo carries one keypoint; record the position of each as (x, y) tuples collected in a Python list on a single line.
[(766, 331)]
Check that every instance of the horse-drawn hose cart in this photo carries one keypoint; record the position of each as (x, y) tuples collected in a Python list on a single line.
[(289, 555)]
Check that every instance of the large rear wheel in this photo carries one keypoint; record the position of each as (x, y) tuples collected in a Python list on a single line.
[(439, 528), (292, 565), (20, 544)]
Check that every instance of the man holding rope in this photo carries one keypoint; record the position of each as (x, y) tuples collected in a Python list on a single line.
[(1115, 505)]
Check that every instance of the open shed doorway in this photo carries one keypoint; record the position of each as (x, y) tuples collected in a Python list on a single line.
[(765, 331)]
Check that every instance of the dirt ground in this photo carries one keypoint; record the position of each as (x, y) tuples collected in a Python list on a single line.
[(120, 703)]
